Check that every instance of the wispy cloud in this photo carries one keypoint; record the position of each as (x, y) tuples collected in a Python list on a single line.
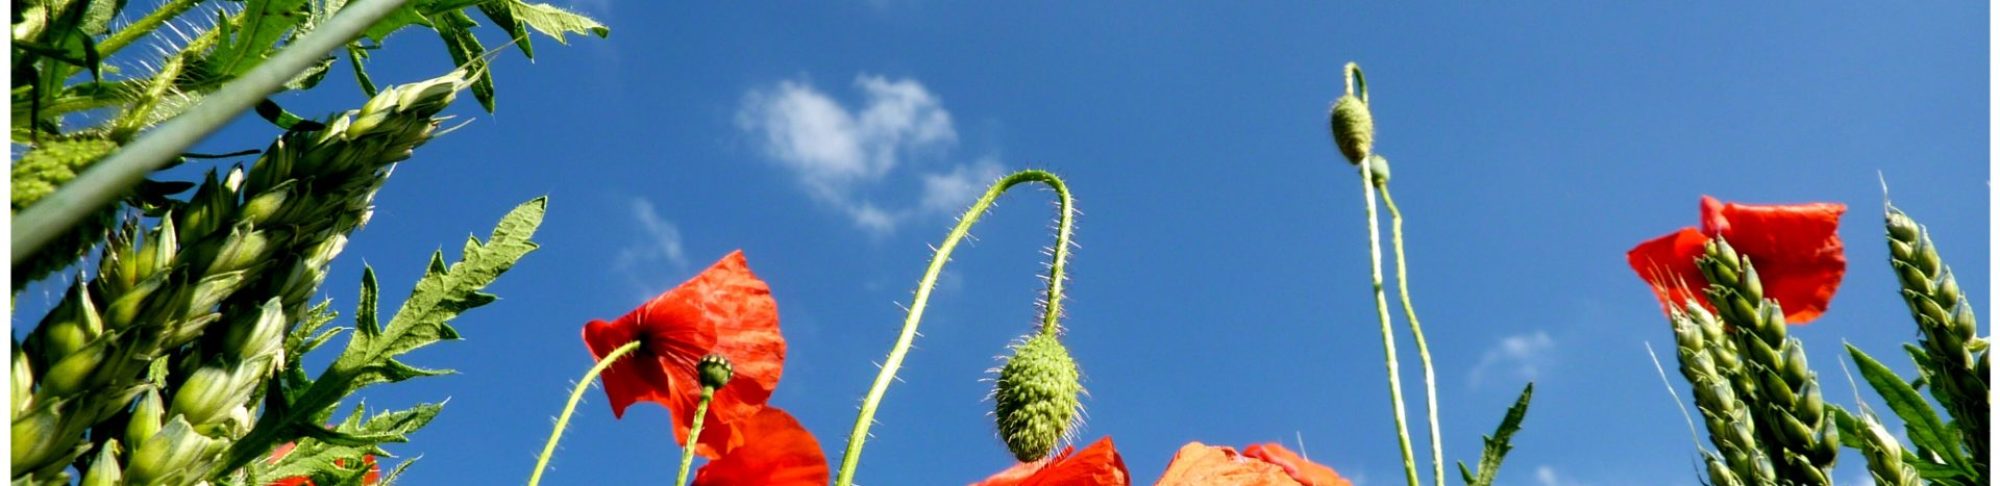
[(1547, 476), (837, 153), (656, 253), (1522, 356)]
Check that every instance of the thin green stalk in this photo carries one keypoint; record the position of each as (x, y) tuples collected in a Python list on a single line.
[(1382, 313), (145, 25), (1416, 329), (1052, 307), (694, 434), (575, 396), (112, 177)]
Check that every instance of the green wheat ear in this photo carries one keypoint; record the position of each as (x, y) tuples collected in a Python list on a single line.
[(1035, 398)]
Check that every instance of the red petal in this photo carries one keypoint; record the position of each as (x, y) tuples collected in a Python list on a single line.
[(783, 454), (1305, 472), (1667, 264), (1199, 465), (1795, 247), (639, 376), (744, 318), (1098, 464)]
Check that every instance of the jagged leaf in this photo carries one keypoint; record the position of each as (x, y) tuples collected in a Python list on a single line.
[(456, 29), (1498, 444), (257, 32), (1925, 429), (555, 22), (404, 16)]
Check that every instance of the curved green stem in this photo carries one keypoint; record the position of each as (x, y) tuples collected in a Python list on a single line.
[(1416, 329), (575, 396), (694, 434), (1382, 312), (1051, 311)]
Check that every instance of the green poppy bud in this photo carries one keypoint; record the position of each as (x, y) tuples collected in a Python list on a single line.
[(1353, 128), (104, 469), (1035, 398), (1378, 167), (714, 371)]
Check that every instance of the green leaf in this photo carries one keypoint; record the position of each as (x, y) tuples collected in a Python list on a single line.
[(97, 15), (257, 31), (319, 448), (456, 29), (355, 53), (502, 15), (555, 22), (404, 16), (1498, 444), (1847, 425), (1925, 429)]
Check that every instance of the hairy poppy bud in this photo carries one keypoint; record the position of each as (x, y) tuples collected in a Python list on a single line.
[(714, 371), (1035, 398), (1353, 128), (1379, 168)]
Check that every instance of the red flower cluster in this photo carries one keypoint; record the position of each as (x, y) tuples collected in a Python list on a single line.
[(726, 310), (1795, 249), (1195, 464)]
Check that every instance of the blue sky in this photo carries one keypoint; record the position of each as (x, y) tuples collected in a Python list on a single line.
[(1220, 290)]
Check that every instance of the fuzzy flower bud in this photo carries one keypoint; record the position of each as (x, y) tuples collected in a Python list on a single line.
[(714, 371), (1035, 398), (1353, 128), (1379, 168)]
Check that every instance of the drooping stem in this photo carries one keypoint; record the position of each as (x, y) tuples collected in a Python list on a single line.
[(694, 434), (1051, 311), (1416, 329), (575, 396), (1382, 313), (110, 178)]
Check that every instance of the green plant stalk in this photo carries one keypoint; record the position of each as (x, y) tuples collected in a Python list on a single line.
[(1052, 305), (1416, 331), (1382, 314), (112, 177), (576, 395), (145, 25), (694, 434)]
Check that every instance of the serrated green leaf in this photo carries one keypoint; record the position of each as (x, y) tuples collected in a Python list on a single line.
[(1498, 444), (555, 22), (1922, 424), (404, 16), (456, 29), (502, 16), (365, 322), (257, 30)]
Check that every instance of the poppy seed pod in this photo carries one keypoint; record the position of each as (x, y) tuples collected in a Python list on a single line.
[(714, 371), (1035, 398), (1353, 128)]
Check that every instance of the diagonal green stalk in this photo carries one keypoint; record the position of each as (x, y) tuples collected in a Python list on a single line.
[(1051, 311), (694, 434), (576, 395), (1417, 330), (1382, 313)]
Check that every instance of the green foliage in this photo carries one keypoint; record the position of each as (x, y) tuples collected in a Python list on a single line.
[(1498, 444)]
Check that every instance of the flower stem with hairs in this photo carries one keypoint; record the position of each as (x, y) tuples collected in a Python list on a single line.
[(1416, 331), (576, 395)]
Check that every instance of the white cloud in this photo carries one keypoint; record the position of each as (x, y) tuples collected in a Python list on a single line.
[(1547, 476), (661, 245), (1522, 356), (838, 152)]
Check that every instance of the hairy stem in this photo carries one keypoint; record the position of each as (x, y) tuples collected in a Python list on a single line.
[(1052, 307), (1382, 313), (1417, 330), (145, 25), (108, 179), (575, 396), (694, 434)]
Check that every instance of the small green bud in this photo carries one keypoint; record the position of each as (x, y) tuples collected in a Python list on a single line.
[(72, 325), (72, 374), (1827, 447), (1353, 128), (1775, 389), (211, 391), (38, 439), (1796, 370), (1035, 397), (247, 246), (1899, 250), (1947, 288), (23, 383), (166, 457), (147, 417), (1378, 169), (1796, 433), (1753, 287), (262, 337), (162, 244), (1901, 227), (714, 371), (265, 206), (104, 470), (1811, 407)]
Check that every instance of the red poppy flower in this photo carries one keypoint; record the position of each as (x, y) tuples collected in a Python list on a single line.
[(373, 477), (1795, 247), (1262, 465), (1098, 464), (782, 453), (724, 310)]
